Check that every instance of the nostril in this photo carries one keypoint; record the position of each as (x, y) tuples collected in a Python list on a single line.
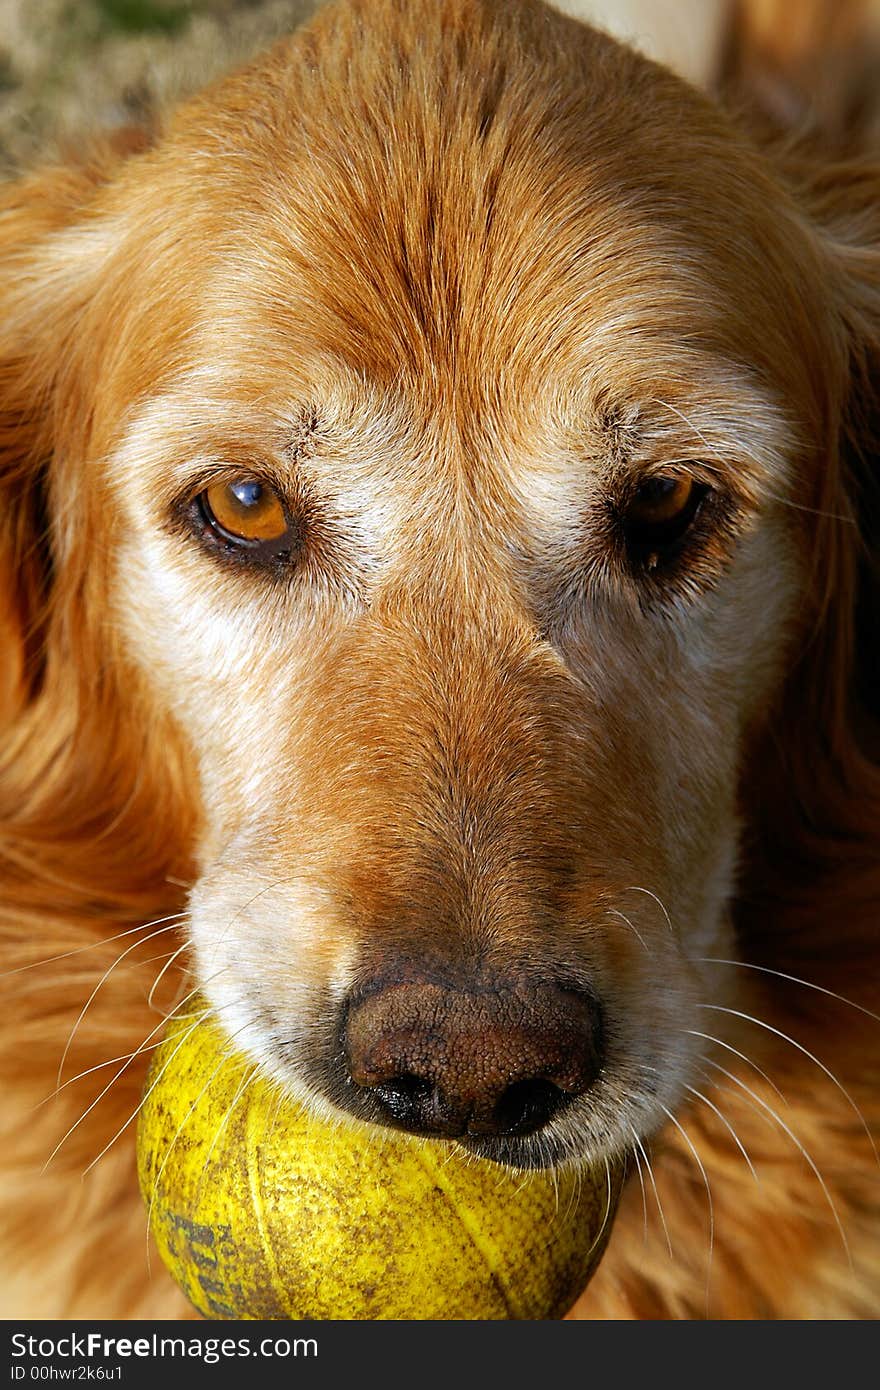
[(526, 1106), (406, 1098)]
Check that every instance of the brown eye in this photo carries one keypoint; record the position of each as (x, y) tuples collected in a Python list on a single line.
[(245, 510), (247, 515), (660, 512)]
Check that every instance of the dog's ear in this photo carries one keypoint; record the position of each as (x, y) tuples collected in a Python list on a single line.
[(843, 202), (811, 783), (51, 248), (817, 784), (802, 79)]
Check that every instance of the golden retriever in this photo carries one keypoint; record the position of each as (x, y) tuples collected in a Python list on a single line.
[(437, 476)]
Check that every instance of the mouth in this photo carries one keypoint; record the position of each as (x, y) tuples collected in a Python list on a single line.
[(525, 1141), (536, 1124)]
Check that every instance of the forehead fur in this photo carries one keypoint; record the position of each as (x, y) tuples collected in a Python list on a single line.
[(464, 196)]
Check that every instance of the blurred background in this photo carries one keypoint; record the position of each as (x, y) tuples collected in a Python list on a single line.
[(69, 65)]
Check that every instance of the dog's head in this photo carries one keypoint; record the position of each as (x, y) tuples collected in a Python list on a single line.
[(438, 432)]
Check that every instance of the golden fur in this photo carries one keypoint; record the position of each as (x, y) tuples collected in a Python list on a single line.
[(452, 276)]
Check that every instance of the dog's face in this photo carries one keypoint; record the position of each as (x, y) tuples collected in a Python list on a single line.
[(454, 437)]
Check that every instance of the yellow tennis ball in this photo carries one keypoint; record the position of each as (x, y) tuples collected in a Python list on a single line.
[(260, 1209)]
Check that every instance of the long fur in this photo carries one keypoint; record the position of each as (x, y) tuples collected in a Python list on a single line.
[(761, 1197)]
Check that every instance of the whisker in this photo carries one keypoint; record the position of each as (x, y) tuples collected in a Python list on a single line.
[(601, 1231), (168, 1152), (795, 979), (92, 945), (653, 1182), (699, 1162), (737, 1013), (633, 889), (707, 1037), (242, 1087), (574, 1196), (198, 1021), (721, 1089), (111, 1083), (111, 1061), (635, 1155), (107, 973), (798, 1145), (150, 1089), (724, 1120), (167, 966), (613, 912)]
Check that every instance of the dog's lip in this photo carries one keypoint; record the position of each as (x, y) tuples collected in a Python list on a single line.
[(519, 1152), (522, 1153)]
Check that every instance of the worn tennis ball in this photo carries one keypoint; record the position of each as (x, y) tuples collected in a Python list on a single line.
[(260, 1209)]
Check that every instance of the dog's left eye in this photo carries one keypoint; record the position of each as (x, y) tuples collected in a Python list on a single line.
[(246, 514)]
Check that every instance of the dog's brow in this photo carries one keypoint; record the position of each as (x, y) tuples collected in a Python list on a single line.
[(303, 433), (195, 420)]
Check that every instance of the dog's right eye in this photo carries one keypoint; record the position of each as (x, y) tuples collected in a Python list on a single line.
[(659, 516), (247, 516)]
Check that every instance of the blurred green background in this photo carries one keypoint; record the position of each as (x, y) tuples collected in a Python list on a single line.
[(67, 66)]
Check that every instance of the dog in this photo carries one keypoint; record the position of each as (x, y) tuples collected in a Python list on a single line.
[(439, 476)]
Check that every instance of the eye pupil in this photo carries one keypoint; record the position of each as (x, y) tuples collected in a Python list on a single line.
[(247, 492), (658, 490), (662, 497)]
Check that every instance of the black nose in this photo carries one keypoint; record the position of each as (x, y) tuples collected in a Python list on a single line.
[(501, 1059)]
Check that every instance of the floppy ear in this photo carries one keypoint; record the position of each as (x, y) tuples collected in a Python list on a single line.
[(844, 203), (811, 786), (49, 251), (818, 787), (802, 79)]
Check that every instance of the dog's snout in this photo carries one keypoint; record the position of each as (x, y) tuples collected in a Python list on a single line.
[(497, 1060)]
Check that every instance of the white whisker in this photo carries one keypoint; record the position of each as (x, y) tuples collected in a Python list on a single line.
[(653, 1183), (613, 912), (699, 1162), (92, 945), (608, 1193), (707, 1037), (166, 967), (749, 1018), (172, 926), (720, 1089), (794, 979), (724, 1120), (633, 889), (635, 1155), (111, 1083), (242, 1087), (180, 1128), (99, 1066), (150, 1089), (798, 1145)]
